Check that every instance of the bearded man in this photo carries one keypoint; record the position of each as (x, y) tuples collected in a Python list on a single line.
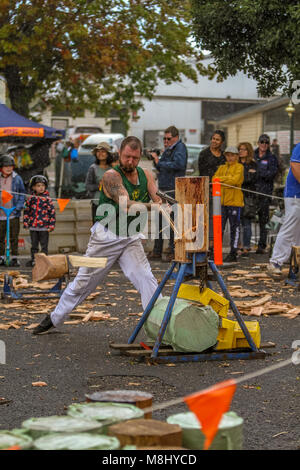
[(126, 191)]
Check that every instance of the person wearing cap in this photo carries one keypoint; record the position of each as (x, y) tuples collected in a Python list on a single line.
[(232, 201), (267, 169), (104, 159), (289, 233), (39, 216), (12, 183)]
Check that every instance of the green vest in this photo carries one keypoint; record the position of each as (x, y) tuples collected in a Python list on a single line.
[(118, 221)]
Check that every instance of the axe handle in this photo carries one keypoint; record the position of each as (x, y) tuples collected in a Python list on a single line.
[(167, 198)]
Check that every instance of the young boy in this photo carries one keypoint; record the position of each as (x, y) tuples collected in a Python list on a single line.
[(232, 174), (39, 216), (11, 182)]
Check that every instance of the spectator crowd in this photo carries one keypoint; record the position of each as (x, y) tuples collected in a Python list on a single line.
[(247, 177)]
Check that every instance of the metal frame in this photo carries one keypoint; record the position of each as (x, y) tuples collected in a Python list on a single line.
[(189, 269), (7, 251), (10, 294)]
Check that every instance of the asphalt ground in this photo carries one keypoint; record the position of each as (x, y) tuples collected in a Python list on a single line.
[(77, 359)]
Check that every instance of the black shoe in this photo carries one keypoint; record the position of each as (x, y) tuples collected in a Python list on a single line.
[(14, 262), (232, 257), (44, 326), (2, 261), (29, 264), (260, 251)]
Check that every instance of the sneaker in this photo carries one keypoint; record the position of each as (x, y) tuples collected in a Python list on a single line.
[(274, 268), (232, 257), (14, 262), (260, 251), (44, 326), (154, 255)]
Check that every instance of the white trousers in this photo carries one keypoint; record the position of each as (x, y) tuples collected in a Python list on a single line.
[(289, 233), (131, 257)]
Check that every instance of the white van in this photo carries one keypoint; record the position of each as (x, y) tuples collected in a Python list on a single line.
[(93, 140)]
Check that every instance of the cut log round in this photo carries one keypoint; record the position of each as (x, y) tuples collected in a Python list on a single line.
[(146, 432), (49, 267), (132, 397)]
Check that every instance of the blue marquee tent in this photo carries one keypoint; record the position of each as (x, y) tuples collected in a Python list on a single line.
[(14, 127)]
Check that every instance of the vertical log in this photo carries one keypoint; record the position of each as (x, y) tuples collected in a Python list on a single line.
[(192, 219)]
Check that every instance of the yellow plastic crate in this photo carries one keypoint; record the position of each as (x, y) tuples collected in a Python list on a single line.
[(239, 339), (206, 297), (226, 334)]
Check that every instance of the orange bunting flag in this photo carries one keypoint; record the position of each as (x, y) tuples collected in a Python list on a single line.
[(6, 197), (209, 407), (62, 204)]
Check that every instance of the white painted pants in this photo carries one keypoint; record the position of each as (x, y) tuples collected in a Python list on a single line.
[(131, 257), (289, 233)]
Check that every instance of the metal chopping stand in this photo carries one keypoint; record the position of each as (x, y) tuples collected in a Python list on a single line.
[(192, 262)]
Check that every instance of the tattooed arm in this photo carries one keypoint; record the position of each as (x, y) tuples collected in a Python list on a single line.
[(113, 188)]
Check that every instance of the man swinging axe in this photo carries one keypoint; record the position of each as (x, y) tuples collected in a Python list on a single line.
[(126, 189)]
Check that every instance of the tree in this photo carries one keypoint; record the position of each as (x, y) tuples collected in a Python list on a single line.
[(86, 54), (258, 37)]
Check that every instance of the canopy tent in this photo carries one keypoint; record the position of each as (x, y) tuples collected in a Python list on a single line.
[(14, 127)]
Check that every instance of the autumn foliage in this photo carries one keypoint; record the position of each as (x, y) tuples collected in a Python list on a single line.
[(81, 54)]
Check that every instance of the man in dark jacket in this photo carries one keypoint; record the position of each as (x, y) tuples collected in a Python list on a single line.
[(170, 165), (267, 168)]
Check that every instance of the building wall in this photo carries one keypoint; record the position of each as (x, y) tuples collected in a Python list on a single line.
[(246, 129), (237, 87), (161, 113), (88, 119)]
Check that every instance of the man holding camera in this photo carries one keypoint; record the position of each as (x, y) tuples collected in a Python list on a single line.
[(169, 166)]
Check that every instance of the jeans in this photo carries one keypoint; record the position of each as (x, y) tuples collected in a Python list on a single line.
[(233, 214), (247, 232), (158, 243), (39, 237), (263, 218), (14, 230)]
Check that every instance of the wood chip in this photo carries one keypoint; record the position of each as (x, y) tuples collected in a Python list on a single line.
[(39, 384), (256, 311), (88, 316), (72, 322)]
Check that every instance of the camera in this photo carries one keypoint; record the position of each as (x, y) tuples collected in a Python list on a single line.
[(148, 152)]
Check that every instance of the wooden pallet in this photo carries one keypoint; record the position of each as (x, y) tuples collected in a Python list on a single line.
[(166, 353)]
